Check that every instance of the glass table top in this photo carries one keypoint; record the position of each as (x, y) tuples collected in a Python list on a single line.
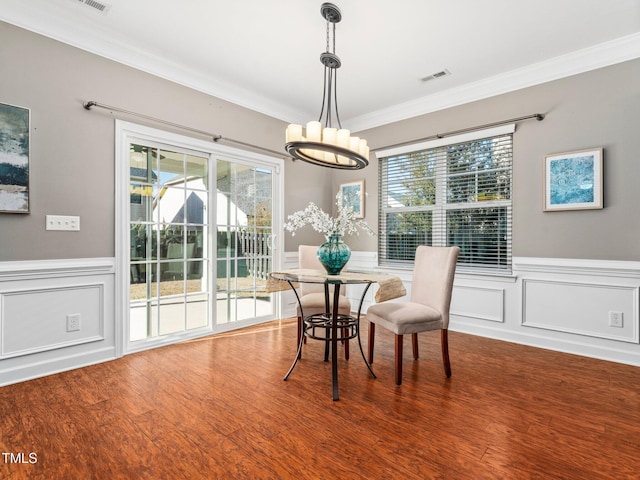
[(319, 276)]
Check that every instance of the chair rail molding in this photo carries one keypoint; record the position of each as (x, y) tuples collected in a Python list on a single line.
[(30, 269), (612, 268)]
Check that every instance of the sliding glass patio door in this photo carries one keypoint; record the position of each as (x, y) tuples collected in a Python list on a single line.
[(196, 241), (169, 241), (244, 240)]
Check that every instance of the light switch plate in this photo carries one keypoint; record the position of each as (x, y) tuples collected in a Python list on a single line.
[(63, 222)]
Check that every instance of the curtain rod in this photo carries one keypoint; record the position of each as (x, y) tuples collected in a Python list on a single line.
[(214, 136), (537, 116), (219, 138)]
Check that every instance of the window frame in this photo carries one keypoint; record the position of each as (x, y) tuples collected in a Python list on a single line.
[(127, 133), (441, 207)]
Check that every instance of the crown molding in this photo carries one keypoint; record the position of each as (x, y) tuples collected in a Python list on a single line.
[(103, 44), (605, 54)]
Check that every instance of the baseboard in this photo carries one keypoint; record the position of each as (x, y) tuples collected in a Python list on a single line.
[(40, 368), (547, 342)]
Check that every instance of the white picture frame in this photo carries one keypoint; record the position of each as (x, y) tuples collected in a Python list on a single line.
[(573, 180), (352, 194)]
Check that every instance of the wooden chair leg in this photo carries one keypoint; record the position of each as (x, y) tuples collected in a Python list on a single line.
[(444, 339), (398, 369), (414, 343), (372, 334)]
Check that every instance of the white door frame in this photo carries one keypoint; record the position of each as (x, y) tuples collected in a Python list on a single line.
[(126, 133)]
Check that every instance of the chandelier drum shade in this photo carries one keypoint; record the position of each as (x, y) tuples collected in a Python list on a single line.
[(324, 142)]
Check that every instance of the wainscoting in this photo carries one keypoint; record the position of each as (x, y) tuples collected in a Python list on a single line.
[(558, 304), (568, 304), (55, 315)]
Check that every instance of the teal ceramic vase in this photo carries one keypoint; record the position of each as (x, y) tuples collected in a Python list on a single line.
[(334, 254)]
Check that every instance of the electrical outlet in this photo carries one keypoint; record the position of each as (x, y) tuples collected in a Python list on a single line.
[(73, 322), (63, 222), (615, 319)]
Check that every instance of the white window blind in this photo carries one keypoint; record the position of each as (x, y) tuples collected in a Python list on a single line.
[(453, 191)]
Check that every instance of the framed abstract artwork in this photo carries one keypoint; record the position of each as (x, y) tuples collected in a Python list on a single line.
[(14, 159), (353, 196), (573, 180)]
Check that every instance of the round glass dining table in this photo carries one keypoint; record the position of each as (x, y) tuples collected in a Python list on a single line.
[(329, 326)]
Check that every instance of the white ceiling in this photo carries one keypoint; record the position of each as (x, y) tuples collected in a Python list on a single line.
[(264, 54)]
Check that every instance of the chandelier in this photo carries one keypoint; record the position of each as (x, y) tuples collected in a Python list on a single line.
[(325, 142)]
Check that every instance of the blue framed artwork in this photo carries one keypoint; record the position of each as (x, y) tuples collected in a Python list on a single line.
[(14, 159), (353, 196), (573, 180)]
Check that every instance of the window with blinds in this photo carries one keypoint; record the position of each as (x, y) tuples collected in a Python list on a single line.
[(444, 193)]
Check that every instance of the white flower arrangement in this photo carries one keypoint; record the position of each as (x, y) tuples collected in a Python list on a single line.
[(344, 223)]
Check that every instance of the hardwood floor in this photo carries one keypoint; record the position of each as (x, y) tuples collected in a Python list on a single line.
[(217, 408)]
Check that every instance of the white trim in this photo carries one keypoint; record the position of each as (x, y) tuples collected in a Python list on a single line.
[(61, 363), (102, 43), (546, 340), (575, 266), (628, 334), (606, 54), (58, 277), (493, 296), (59, 267), (463, 137), (494, 306), (78, 339), (125, 133)]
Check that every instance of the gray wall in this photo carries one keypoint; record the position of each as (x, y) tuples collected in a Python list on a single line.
[(600, 108), (72, 150), (306, 183)]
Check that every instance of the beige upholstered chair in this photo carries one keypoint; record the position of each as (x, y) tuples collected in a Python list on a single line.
[(312, 296), (428, 308)]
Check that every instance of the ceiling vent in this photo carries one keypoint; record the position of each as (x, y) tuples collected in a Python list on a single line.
[(99, 6), (433, 76)]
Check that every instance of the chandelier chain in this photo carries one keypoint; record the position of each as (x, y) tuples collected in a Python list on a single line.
[(329, 37), (334, 38), (327, 49)]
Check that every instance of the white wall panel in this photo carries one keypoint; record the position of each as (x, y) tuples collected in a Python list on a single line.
[(35, 299), (478, 302), (288, 302), (35, 320), (581, 308)]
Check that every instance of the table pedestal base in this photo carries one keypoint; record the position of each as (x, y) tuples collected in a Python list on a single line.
[(331, 328)]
